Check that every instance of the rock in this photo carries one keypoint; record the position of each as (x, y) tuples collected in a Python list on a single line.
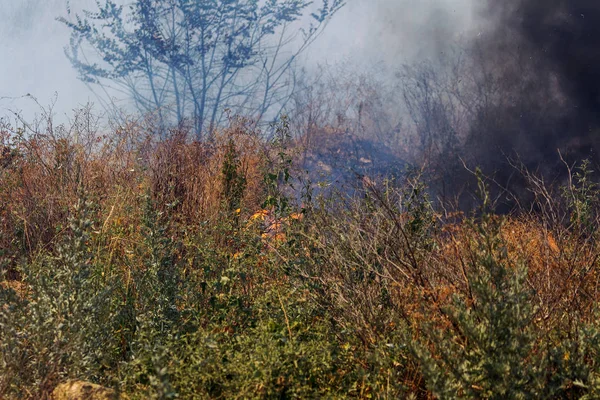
[(80, 390)]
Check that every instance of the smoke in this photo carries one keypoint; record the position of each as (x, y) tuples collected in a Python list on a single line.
[(365, 32), (32, 61), (567, 33), (552, 49), (393, 32)]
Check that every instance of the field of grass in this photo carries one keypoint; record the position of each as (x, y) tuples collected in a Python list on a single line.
[(177, 269)]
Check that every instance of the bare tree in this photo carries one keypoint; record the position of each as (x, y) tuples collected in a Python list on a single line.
[(196, 58)]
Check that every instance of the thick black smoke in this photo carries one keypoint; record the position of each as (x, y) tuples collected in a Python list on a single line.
[(546, 55), (567, 34)]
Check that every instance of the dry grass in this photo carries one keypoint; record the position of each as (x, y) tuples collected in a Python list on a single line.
[(376, 267), (44, 174)]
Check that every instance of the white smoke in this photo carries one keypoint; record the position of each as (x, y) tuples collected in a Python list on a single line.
[(394, 31), (32, 61), (365, 31)]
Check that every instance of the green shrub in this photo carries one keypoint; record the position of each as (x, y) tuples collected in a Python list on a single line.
[(62, 326)]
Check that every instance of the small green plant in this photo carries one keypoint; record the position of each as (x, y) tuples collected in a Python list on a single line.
[(62, 326), (581, 194), (278, 176), (589, 348), (487, 351), (488, 348), (234, 181)]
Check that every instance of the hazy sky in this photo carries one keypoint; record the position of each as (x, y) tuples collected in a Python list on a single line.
[(394, 31), (32, 60)]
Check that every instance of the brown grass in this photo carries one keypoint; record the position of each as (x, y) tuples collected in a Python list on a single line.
[(371, 272), (44, 174)]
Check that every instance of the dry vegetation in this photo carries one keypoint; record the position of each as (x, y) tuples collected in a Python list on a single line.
[(207, 270)]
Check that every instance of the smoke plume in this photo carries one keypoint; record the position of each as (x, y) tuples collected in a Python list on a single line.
[(551, 48)]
